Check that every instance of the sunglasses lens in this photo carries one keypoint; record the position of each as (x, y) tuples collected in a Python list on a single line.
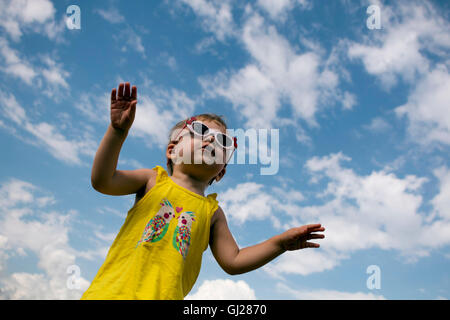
[(200, 128), (224, 140)]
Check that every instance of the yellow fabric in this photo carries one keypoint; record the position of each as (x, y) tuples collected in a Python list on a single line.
[(158, 251)]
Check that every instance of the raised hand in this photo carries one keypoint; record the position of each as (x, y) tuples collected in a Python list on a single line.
[(123, 106), (297, 238)]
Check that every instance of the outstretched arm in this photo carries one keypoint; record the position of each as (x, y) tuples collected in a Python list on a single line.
[(236, 261), (123, 108)]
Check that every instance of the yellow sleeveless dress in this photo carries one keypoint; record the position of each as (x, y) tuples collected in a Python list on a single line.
[(158, 251)]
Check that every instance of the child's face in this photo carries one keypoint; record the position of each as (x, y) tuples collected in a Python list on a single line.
[(200, 157)]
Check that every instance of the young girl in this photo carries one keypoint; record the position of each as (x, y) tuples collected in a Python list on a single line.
[(158, 251)]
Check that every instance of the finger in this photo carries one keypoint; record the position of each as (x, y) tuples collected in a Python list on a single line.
[(113, 95), (315, 236), (133, 107), (127, 90), (120, 92), (134, 93), (313, 226), (312, 245), (316, 229)]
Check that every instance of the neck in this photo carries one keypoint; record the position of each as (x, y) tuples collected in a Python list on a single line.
[(189, 182)]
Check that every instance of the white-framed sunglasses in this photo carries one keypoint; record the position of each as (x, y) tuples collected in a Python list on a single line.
[(203, 131)]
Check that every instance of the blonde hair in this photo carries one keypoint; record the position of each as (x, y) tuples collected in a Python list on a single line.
[(220, 119)]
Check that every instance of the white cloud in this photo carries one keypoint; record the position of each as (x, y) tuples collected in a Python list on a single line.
[(29, 229), (324, 294), (46, 135), (12, 110), (253, 201), (20, 16), (427, 108), (37, 10), (360, 212), (253, 94), (303, 262), (413, 46), (16, 192), (128, 39), (275, 75), (112, 15), (379, 209), (378, 124), (348, 100), (95, 107), (216, 16), (205, 45), (441, 202), (168, 60), (162, 110), (50, 76), (285, 69), (118, 213), (54, 74), (58, 145), (223, 289), (277, 9), (131, 162), (410, 30), (246, 201), (14, 65)]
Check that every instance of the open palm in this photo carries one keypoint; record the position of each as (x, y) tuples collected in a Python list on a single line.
[(123, 106), (297, 238)]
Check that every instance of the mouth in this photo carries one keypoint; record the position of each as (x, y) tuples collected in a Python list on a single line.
[(213, 151)]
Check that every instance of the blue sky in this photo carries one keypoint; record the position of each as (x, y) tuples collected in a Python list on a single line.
[(364, 137)]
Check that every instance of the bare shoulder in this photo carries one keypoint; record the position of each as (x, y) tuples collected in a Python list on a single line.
[(151, 181), (217, 216), (151, 178)]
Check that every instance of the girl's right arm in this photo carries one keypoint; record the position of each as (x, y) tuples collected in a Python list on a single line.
[(104, 177)]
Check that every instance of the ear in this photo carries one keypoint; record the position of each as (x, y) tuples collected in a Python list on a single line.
[(170, 150), (170, 154), (221, 173)]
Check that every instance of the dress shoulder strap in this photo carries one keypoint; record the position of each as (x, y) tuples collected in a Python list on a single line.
[(161, 174), (213, 201)]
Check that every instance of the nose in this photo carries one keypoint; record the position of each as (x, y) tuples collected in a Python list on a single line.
[(210, 138)]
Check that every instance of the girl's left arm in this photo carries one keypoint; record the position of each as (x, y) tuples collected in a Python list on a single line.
[(236, 261)]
